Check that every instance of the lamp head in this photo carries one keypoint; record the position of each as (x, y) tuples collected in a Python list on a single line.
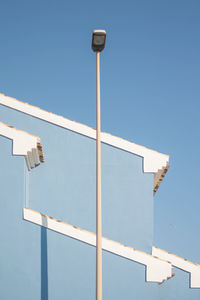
[(98, 40)]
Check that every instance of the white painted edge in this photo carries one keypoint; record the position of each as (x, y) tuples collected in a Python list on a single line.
[(23, 144), (99, 31), (157, 270), (181, 263), (153, 160)]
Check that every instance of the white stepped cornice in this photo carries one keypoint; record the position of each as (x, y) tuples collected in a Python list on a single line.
[(24, 144), (181, 263)]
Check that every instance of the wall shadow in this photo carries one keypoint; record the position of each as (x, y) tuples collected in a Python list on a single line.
[(44, 264)]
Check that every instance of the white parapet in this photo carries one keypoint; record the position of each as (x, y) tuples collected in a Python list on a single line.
[(157, 270), (24, 144), (153, 161), (181, 263)]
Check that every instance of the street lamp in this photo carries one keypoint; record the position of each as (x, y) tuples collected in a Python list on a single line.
[(98, 40), (98, 44)]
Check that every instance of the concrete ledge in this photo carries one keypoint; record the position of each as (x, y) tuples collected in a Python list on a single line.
[(157, 270)]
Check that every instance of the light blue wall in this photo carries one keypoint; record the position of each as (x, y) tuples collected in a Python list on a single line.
[(37, 264), (64, 186)]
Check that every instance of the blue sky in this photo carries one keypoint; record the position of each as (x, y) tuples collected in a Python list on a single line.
[(150, 94)]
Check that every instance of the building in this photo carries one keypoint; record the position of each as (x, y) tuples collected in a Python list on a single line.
[(48, 216)]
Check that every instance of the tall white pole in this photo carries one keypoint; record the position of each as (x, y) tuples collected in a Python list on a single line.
[(98, 186)]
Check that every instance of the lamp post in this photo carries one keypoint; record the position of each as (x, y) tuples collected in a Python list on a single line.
[(98, 44)]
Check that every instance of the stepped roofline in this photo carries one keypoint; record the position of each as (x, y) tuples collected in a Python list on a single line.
[(24, 144), (153, 161)]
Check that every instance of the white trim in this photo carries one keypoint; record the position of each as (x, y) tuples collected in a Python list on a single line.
[(153, 160), (157, 270), (23, 144), (181, 263), (99, 31)]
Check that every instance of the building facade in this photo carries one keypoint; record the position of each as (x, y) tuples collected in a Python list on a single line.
[(48, 198)]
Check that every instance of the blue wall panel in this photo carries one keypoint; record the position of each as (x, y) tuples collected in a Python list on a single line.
[(127, 199), (38, 264), (64, 186), (124, 279)]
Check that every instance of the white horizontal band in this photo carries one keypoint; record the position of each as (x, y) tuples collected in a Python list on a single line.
[(153, 160), (157, 270)]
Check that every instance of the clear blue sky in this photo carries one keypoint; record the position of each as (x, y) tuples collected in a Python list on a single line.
[(150, 74)]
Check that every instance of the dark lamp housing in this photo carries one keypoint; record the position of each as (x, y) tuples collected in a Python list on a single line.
[(98, 40)]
